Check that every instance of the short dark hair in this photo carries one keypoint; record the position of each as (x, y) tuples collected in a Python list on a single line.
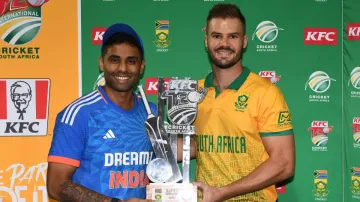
[(120, 38), (224, 11)]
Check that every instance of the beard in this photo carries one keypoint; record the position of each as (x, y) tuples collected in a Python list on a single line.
[(224, 63)]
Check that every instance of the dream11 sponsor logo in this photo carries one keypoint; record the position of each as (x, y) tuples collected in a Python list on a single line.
[(355, 82), (266, 32), (22, 183), (319, 82), (24, 107), (20, 22), (319, 134), (353, 31), (356, 131), (270, 75), (151, 85), (320, 36)]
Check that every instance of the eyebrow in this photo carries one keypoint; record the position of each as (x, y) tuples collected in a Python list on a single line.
[(118, 57), (237, 33)]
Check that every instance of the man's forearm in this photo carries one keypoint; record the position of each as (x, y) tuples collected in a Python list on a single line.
[(71, 191), (268, 173)]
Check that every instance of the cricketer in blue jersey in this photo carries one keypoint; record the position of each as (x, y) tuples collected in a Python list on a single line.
[(100, 150)]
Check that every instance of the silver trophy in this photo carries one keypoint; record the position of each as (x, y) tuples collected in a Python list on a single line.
[(181, 98)]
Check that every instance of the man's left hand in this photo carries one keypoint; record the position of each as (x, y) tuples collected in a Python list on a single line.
[(210, 194)]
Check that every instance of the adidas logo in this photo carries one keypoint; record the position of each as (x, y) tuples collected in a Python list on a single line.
[(109, 135)]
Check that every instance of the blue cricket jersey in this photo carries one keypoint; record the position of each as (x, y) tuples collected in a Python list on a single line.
[(108, 145)]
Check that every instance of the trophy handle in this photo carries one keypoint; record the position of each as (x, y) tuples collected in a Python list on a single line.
[(150, 114)]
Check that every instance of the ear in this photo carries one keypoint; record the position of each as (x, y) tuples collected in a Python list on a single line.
[(245, 41), (101, 64), (142, 67), (205, 41)]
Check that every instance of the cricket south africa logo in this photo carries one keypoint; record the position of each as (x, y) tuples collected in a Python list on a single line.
[(319, 82), (266, 32), (20, 23), (355, 82), (319, 134)]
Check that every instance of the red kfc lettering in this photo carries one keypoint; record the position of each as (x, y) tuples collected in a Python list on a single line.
[(267, 73), (97, 35), (356, 120), (325, 36), (151, 85), (353, 31), (319, 124)]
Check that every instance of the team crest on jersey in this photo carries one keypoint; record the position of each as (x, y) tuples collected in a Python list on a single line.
[(241, 102), (182, 97)]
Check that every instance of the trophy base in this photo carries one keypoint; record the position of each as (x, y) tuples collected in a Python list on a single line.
[(171, 192)]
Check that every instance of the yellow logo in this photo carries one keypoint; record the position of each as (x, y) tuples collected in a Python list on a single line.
[(284, 118), (241, 103)]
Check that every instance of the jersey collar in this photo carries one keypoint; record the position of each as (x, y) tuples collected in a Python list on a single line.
[(117, 108), (235, 85)]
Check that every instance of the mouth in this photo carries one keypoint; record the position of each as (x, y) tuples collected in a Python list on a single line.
[(224, 53), (122, 79)]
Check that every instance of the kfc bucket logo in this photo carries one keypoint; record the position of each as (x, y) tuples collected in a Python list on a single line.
[(152, 85), (24, 107), (320, 36), (97, 34)]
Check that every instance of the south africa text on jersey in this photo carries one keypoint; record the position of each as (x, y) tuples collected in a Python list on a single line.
[(221, 144)]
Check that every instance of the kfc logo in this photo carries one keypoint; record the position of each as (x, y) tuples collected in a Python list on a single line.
[(353, 31), (97, 35), (21, 94), (152, 85), (24, 107), (321, 36)]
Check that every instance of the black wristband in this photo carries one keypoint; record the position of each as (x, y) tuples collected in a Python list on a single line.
[(114, 200)]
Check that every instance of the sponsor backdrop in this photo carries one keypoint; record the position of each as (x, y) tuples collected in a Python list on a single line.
[(301, 53), (351, 100), (39, 76), (308, 48)]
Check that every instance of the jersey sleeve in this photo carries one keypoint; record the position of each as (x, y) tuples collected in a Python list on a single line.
[(68, 141), (274, 115)]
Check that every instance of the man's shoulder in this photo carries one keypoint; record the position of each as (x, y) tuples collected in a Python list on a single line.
[(81, 107)]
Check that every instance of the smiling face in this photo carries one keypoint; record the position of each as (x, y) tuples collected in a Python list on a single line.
[(225, 40), (122, 65)]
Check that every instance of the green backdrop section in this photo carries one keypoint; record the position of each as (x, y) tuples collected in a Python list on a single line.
[(351, 96), (302, 53)]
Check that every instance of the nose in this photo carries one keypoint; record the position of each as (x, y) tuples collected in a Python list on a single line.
[(122, 66), (225, 41)]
